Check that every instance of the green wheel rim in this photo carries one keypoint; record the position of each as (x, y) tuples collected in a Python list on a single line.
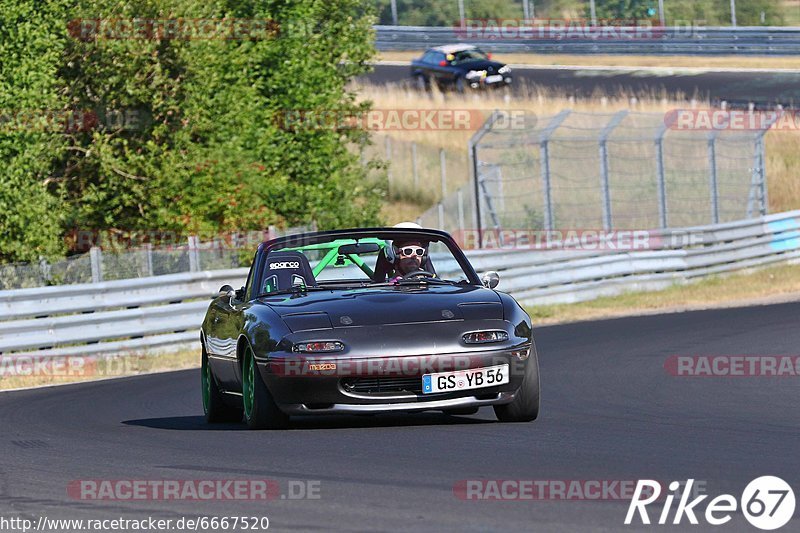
[(205, 381), (248, 377)]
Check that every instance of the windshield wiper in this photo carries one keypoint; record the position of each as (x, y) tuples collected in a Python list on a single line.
[(293, 290)]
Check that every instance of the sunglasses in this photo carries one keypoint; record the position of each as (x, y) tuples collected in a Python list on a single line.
[(408, 251)]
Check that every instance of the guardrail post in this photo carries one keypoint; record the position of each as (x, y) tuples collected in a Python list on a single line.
[(544, 162), (96, 260), (660, 177), (443, 168), (440, 210), (604, 179)]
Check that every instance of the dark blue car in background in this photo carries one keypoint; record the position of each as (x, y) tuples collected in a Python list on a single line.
[(459, 66)]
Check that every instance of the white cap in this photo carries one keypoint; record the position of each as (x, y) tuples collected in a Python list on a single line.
[(407, 225)]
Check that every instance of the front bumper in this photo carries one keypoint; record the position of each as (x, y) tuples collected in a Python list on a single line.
[(299, 390), (404, 407)]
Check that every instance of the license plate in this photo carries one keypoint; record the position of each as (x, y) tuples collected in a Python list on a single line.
[(474, 378), (494, 79)]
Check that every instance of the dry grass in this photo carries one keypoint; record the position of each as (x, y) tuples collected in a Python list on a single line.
[(783, 158), (710, 63), (77, 368), (770, 285)]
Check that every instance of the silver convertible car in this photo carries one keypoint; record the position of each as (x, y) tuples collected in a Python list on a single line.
[(366, 321)]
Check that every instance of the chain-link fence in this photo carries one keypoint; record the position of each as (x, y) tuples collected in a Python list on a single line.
[(622, 170), (99, 264), (417, 172), (722, 13)]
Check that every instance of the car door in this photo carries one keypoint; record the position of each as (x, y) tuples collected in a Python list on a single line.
[(441, 71), (227, 322)]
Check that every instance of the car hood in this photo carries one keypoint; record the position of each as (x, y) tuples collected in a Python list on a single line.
[(384, 306), (490, 66)]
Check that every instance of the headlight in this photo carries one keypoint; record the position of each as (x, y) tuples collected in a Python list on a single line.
[(522, 354), (505, 69), (318, 347), (475, 74), (483, 337)]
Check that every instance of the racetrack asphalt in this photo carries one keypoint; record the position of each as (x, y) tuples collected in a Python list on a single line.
[(763, 88), (610, 411)]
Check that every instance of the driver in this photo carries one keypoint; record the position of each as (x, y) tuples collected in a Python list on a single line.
[(408, 257)]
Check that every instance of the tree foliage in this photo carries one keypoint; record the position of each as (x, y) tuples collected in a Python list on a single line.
[(200, 146)]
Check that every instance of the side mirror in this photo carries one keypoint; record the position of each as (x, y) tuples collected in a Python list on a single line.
[(490, 279), (238, 294), (225, 290)]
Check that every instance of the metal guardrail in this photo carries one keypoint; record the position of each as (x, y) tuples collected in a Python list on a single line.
[(754, 40), (143, 314)]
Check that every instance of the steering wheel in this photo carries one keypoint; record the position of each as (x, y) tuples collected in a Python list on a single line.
[(418, 274)]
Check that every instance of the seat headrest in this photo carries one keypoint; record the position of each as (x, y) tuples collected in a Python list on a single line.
[(284, 270)]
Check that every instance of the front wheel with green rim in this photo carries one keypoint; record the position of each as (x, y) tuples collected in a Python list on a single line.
[(214, 407), (260, 409)]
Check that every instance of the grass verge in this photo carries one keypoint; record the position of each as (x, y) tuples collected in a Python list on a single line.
[(21, 371), (768, 285)]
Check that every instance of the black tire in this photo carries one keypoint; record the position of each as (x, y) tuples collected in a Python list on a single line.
[(525, 406), (214, 406), (460, 85), (464, 411), (260, 409), (419, 83)]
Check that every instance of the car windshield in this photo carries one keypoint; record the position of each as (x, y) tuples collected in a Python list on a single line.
[(466, 56), (350, 262)]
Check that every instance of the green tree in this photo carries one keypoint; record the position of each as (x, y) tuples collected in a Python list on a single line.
[(29, 56), (207, 151)]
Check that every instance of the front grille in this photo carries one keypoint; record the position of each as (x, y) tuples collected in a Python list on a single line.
[(376, 385)]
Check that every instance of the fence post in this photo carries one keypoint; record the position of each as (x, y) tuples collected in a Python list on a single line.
[(414, 165), (440, 209), (148, 258), (713, 187), (604, 179), (388, 143), (45, 271), (763, 175), (461, 210), (660, 177), (194, 263), (544, 145), (96, 259), (473, 154), (443, 167)]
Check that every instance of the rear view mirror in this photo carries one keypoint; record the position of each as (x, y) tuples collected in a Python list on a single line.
[(356, 249), (225, 290), (490, 279)]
